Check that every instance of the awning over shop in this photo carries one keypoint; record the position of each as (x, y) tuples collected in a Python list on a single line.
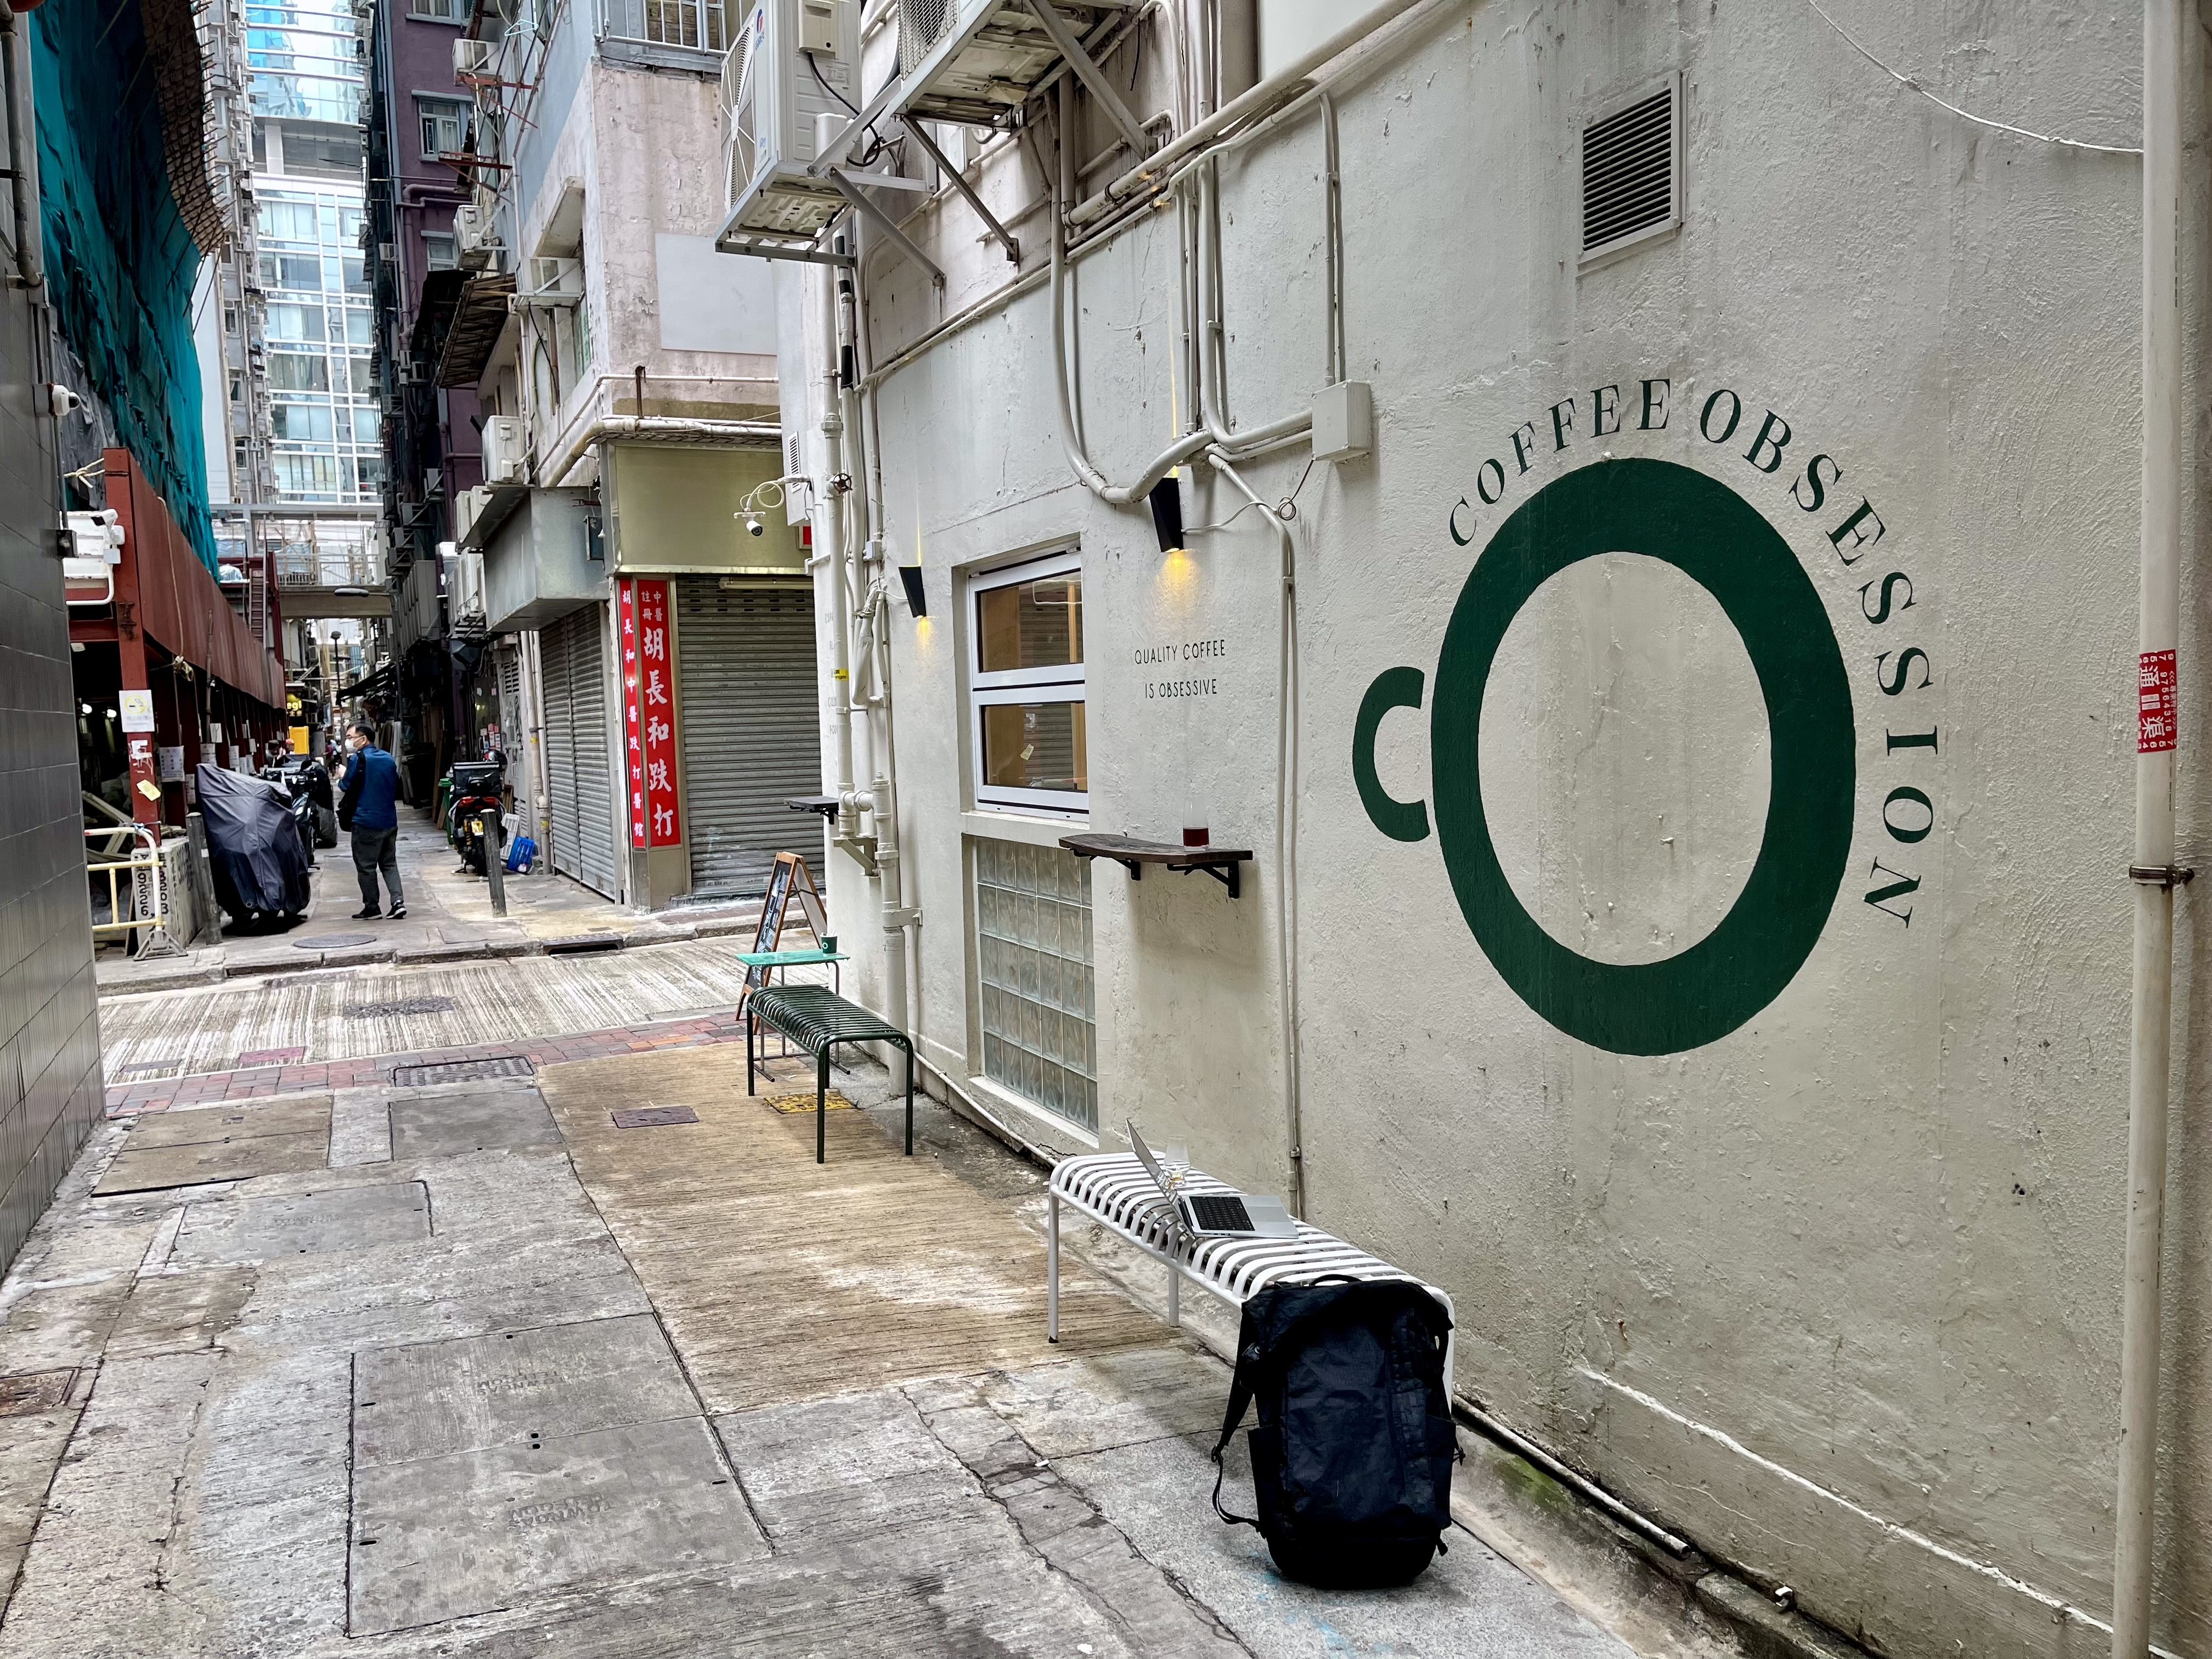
[(168, 594)]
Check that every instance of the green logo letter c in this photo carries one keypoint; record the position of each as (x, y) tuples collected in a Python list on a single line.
[(1394, 688)]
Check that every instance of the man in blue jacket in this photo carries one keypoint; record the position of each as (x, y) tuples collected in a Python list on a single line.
[(370, 809)]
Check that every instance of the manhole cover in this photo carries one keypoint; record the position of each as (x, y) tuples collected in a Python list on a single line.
[(648, 1117), (329, 941), (459, 1071), (34, 1392), (405, 1006)]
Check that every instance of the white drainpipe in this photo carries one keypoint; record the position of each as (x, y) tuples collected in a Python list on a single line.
[(2151, 1066), (829, 536)]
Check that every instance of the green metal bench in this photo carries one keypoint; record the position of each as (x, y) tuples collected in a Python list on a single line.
[(817, 1019)]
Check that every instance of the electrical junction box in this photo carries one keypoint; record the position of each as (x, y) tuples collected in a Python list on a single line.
[(818, 27), (1343, 420)]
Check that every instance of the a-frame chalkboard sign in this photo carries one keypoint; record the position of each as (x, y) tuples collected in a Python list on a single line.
[(790, 879)]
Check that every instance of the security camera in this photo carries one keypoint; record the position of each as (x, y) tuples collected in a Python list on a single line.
[(753, 525), (62, 402)]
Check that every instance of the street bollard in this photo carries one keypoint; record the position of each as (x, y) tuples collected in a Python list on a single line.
[(489, 837)]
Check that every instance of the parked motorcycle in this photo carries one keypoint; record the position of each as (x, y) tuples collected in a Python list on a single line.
[(301, 800), (478, 816), (309, 770)]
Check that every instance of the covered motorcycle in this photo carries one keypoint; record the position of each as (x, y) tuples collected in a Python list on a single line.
[(253, 844)]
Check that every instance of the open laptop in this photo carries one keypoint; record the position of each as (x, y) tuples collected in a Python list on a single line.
[(1215, 1215)]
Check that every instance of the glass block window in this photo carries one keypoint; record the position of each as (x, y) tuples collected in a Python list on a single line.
[(1033, 964)]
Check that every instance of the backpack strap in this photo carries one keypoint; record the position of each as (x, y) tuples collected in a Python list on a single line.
[(1242, 1384)]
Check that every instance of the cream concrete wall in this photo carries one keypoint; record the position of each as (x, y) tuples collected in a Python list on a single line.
[(1836, 1291)]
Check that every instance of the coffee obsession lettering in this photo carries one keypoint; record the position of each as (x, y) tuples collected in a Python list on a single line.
[(1699, 519)]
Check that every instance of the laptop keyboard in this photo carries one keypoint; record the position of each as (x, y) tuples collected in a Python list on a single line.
[(1217, 1213)]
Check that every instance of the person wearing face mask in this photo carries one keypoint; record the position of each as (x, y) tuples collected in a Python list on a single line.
[(369, 810)]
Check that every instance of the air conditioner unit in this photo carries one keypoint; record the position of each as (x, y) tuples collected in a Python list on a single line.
[(386, 252), (468, 507), (474, 57), (466, 594), (504, 450), (476, 238), (782, 73), (977, 61), (96, 535), (557, 281)]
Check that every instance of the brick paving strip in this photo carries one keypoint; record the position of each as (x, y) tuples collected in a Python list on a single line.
[(258, 1082)]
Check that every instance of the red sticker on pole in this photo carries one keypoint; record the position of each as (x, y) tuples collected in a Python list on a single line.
[(2155, 704)]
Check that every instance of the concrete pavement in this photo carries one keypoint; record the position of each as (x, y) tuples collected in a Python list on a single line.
[(332, 1355)]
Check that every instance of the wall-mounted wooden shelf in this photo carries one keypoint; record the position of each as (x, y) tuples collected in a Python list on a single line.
[(1221, 863)]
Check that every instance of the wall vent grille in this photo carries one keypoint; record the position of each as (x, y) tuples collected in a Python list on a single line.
[(1632, 184)]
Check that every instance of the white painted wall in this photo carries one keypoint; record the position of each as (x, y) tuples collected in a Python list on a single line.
[(1836, 1293)]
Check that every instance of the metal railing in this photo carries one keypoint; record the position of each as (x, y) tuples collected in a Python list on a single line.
[(147, 902), (701, 25), (341, 566)]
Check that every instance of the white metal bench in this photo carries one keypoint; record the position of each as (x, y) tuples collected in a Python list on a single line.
[(1114, 1190)]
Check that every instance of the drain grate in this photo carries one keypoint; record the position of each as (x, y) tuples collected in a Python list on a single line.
[(460, 1071), (393, 1010), (788, 1104), (332, 941), (34, 1392), (651, 1117)]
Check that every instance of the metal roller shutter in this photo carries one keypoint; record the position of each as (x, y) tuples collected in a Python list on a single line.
[(752, 734), (579, 765)]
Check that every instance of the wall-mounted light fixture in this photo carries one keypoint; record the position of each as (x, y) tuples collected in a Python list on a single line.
[(1166, 502), (917, 601)]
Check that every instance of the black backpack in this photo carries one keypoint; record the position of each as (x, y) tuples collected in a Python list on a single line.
[(1351, 1460)]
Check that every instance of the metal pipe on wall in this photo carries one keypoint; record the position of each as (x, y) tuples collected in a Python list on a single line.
[(2153, 875), (22, 150)]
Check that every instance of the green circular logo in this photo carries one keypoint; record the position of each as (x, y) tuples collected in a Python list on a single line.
[(1710, 533)]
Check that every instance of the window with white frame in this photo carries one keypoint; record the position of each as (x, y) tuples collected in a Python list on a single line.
[(1025, 686), (444, 125), (440, 250)]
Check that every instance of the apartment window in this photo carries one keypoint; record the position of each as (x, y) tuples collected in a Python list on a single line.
[(444, 125), (230, 319), (1034, 971), (237, 387), (1026, 686), (295, 322), (440, 250), (296, 371), (440, 11), (299, 272)]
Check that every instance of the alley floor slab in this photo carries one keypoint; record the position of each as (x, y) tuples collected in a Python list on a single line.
[(438, 1538), (440, 1125), (477, 1393), (339, 1218)]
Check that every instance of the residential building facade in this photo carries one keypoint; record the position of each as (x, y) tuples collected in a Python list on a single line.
[(646, 664), (418, 124), (1586, 582)]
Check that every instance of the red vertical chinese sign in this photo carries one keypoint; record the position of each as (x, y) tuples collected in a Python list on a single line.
[(649, 713)]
